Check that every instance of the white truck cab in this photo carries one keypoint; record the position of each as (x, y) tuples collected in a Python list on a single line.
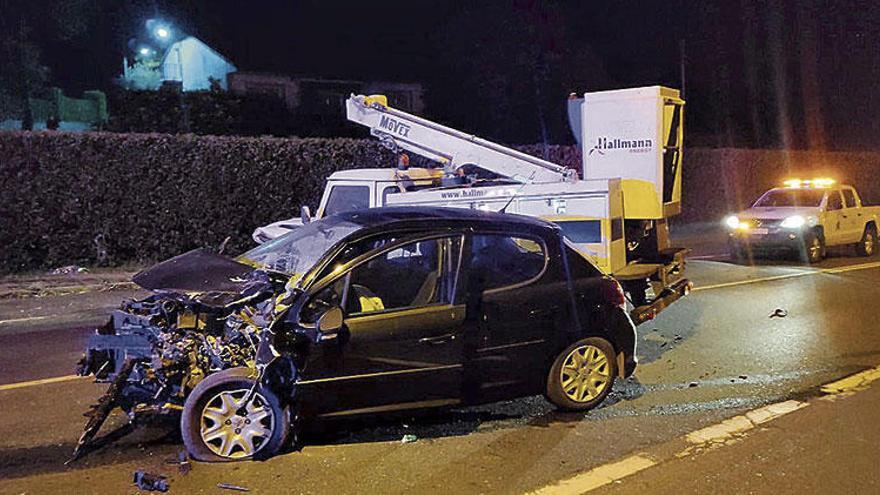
[(804, 216), (356, 189)]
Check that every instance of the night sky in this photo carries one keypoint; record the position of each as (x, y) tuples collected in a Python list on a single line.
[(797, 74)]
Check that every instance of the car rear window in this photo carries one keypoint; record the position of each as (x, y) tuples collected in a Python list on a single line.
[(579, 266), (499, 260)]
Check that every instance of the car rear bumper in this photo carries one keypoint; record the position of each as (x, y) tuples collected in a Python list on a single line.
[(668, 296)]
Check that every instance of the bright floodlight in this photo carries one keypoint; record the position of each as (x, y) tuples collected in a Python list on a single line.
[(163, 32), (144, 51)]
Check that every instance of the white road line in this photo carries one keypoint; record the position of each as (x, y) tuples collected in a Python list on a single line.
[(753, 281), (805, 273), (44, 381), (20, 320), (717, 435), (707, 256)]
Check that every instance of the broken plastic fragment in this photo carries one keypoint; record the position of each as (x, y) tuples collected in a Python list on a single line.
[(150, 482), (408, 439), (779, 313), (230, 486)]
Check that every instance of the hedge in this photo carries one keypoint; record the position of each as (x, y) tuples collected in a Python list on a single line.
[(68, 197), (71, 197), (148, 196)]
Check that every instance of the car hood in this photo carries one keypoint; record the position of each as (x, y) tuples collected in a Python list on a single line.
[(778, 213), (198, 270)]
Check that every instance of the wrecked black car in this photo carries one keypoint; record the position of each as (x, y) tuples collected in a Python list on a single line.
[(359, 313)]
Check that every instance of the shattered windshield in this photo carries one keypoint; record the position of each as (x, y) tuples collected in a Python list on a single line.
[(296, 252), (790, 197)]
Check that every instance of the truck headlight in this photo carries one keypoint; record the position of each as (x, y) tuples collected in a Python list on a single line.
[(793, 222), (732, 222)]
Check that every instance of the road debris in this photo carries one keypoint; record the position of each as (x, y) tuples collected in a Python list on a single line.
[(150, 482), (778, 313), (182, 462), (409, 439), (68, 270), (230, 486), (693, 384)]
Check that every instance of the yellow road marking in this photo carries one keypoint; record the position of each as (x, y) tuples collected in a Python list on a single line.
[(44, 381), (852, 383), (600, 476), (723, 433), (843, 269)]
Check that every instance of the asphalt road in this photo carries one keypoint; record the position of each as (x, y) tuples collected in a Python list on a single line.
[(713, 355)]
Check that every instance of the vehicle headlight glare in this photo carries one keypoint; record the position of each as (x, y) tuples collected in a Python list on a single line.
[(793, 222), (732, 221)]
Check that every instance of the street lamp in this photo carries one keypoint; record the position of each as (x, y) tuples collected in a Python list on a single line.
[(163, 33), (144, 51)]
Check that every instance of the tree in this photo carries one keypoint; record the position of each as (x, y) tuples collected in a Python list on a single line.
[(517, 59), (22, 73)]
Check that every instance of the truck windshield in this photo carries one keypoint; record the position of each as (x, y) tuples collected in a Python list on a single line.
[(297, 251), (790, 197)]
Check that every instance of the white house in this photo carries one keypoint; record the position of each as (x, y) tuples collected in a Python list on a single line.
[(191, 61)]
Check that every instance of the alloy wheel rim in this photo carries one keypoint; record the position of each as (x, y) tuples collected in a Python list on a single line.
[(585, 373), (232, 435), (869, 243)]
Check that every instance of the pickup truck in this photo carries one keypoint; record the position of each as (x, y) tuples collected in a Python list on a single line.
[(805, 217)]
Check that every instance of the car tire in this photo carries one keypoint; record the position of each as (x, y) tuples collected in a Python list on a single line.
[(867, 246), (213, 399), (814, 247), (582, 375)]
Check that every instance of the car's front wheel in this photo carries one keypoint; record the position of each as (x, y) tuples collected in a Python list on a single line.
[(814, 245), (219, 424), (582, 375)]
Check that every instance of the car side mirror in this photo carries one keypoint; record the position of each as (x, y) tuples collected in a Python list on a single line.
[(330, 322), (305, 214)]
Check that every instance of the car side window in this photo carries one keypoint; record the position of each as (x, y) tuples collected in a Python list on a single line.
[(326, 298), (849, 198), (413, 275), (499, 260), (834, 202), (389, 190), (347, 198)]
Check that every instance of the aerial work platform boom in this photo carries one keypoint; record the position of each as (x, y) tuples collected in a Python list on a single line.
[(452, 148)]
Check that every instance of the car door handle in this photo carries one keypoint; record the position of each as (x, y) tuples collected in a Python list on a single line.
[(440, 339)]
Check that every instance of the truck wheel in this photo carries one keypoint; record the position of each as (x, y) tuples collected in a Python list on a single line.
[(582, 375), (217, 425), (814, 245), (867, 246)]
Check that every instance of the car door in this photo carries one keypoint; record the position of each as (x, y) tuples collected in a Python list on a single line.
[(518, 309), (401, 345), (851, 222), (833, 226)]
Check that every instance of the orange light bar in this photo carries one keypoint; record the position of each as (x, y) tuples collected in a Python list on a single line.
[(818, 182)]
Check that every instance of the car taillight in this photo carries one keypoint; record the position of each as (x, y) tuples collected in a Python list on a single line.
[(613, 292)]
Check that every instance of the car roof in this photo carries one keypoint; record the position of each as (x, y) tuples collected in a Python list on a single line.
[(441, 217), (387, 174)]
